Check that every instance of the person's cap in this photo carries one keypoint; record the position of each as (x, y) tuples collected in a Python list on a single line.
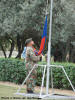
[(28, 41)]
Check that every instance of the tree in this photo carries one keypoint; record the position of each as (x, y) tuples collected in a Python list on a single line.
[(21, 19), (63, 27)]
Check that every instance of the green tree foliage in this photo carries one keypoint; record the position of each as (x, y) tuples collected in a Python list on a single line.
[(63, 37), (21, 19)]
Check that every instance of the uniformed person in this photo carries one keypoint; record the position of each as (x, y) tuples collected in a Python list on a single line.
[(31, 60)]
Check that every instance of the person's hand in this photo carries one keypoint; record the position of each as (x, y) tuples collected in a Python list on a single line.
[(41, 55)]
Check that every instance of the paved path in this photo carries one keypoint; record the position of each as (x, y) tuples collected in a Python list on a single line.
[(14, 53)]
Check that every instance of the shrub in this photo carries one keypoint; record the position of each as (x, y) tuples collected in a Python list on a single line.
[(13, 70)]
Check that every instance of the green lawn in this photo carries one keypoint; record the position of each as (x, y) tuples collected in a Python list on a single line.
[(7, 93)]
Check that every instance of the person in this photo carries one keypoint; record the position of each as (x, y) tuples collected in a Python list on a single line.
[(31, 60)]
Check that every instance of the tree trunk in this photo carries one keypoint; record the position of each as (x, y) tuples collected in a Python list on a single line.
[(72, 49), (58, 52), (3, 51), (67, 50), (19, 46), (11, 49), (72, 54)]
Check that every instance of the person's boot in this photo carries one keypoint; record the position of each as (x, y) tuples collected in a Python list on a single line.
[(30, 91)]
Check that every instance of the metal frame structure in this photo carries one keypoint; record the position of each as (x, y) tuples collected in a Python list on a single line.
[(41, 95)]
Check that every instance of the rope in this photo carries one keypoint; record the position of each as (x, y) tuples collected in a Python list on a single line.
[(47, 3), (47, 8)]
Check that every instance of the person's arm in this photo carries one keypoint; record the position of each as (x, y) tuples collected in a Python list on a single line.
[(33, 56)]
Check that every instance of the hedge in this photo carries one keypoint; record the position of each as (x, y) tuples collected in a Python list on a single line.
[(13, 70)]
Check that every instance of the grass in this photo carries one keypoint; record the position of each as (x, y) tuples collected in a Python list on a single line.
[(7, 93)]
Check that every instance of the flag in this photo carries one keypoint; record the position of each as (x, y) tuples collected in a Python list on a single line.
[(43, 40)]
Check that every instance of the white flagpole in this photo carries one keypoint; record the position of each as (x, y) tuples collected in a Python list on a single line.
[(49, 49)]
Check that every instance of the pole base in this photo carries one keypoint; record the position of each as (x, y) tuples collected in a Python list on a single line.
[(50, 97)]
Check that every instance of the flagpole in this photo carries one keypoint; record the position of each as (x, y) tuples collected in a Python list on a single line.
[(49, 49)]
